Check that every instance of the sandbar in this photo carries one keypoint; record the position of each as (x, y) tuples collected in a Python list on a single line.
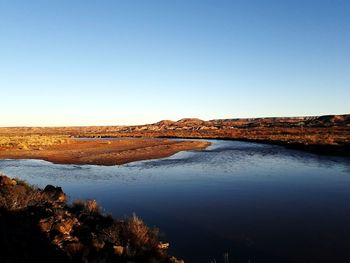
[(104, 152)]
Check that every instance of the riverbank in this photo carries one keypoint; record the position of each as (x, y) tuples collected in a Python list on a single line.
[(329, 134), (37, 225), (99, 152)]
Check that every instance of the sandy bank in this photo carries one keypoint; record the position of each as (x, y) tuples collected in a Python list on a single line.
[(103, 152)]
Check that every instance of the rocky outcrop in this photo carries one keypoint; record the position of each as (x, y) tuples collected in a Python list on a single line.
[(5, 181), (39, 226), (54, 194), (248, 123)]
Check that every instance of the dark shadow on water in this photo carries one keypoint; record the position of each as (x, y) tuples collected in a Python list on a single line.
[(195, 244)]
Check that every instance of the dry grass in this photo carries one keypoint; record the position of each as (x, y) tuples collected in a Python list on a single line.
[(31, 141), (19, 197), (88, 206), (140, 235), (80, 233)]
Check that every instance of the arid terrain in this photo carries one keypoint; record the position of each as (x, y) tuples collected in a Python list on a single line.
[(100, 152), (323, 134), (61, 232)]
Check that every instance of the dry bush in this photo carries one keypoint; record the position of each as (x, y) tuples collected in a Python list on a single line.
[(92, 207), (19, 197), (88, 206), (80, 231), (29, 141), (139, 235), (112, 233)]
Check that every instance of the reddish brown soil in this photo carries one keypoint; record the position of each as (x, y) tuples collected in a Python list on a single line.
[(102, 152), (328, 134)]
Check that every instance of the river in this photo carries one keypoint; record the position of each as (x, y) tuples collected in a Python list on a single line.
[(253, 202)]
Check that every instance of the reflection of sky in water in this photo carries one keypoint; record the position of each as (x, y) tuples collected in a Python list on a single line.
[(231, 192)]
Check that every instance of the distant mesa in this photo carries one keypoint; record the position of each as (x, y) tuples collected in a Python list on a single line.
[(164, 122), (190, 120), (308, 121)]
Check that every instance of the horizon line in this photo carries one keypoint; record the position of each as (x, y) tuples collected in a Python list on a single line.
[(127, 125)]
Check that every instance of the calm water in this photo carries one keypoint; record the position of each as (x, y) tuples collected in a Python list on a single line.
[(256, 202)]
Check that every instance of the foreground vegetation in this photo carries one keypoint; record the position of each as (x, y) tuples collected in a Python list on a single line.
[(26, 142), (37, 225)]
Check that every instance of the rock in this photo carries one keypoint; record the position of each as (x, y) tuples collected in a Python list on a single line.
[(60, 233), (59, 239), (163, 245), (4, 180), (64, 226), (98, 244), (54, 193), (74, 247), (118, 250), (46, 224), (175, 260)]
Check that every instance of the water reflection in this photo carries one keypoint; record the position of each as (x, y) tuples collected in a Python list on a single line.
[(258, 202)]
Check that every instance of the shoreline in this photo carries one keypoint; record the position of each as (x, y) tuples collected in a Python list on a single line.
[(321, 149), (104, 152), (63, 232)]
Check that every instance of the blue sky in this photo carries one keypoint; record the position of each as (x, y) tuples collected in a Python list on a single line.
[(71, 62)]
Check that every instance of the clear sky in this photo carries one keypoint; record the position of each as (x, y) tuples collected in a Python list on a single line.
[(71, 62)]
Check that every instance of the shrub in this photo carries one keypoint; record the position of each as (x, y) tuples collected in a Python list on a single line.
[(19, 197), (88, 206), (31, 141), (80, 232), (139, 235)]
